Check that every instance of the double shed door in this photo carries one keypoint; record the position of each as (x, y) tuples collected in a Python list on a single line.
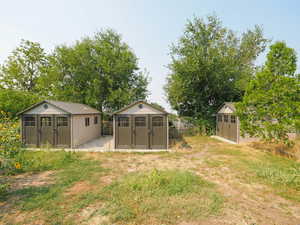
[(227, 126), (46, 130), (141, 131)]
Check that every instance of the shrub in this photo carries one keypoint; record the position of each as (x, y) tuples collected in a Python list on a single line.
[(14, 101), (10, 143), (3, 189)]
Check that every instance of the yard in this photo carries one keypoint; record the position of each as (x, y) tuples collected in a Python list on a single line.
[(203, 181)]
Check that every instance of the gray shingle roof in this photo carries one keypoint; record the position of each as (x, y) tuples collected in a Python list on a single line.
[(138, 102), (73, 108), (68, 107), (231, 105)]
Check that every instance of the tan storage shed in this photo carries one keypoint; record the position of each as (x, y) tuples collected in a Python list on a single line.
[(140, 126), (228, 125), (59, 124)]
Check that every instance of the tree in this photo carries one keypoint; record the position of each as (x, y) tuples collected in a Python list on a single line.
[(23, 67), (210, 65), (158, 106), (15, 101), (271, 106), (101, 71)]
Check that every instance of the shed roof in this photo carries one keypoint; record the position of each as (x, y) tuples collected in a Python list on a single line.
[(68, 107), (231, 105), (139, 102)]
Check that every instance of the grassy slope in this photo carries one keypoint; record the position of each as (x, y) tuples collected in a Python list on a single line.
[(186, 186)]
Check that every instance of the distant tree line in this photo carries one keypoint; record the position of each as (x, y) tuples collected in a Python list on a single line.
[(101, 71)]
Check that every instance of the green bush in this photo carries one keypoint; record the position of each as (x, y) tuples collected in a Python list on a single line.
[(14, 101), (3, 189), (199, 126), (10, 143)]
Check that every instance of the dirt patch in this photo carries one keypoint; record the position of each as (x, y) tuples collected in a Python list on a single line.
[(24, 218), (91, 215), (106, 180), (30, 180), (79, 188)]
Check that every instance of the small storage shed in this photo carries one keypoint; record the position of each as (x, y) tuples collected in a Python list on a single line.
[(228, 125), (140, 126), (227, 122), (59, 124)]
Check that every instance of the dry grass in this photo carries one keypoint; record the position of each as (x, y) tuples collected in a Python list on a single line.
[(280, 149), (255, 187)]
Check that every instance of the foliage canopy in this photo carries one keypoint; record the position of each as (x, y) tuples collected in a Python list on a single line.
[(271, 106), (211, 65), (101, 71)]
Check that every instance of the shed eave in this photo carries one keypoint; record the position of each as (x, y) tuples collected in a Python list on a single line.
[(139, 102), (39, 103)]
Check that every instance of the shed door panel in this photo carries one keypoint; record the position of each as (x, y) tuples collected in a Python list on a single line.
[(30, 134), (219, 125), (158, 136), (141, 132), (223, 127), (46, 131), (233, 128), (224, 132), (123, 132), (63, 137)]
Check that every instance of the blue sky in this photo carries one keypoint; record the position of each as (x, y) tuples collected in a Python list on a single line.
[(149, 27)]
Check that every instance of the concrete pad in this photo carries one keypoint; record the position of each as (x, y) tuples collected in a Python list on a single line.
[(97, 144), (224, 139), (101, 144)]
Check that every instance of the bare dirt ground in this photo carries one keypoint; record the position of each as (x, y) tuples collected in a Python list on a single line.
[(246, 203)]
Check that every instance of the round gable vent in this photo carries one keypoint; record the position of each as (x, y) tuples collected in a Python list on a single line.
[(45, 106), (140, 106)]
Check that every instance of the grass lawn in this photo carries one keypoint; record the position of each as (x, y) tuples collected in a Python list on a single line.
[(209, 182)]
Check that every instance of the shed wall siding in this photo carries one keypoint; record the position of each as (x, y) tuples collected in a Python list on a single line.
[(135, 110), (82, 133), (41, 110)]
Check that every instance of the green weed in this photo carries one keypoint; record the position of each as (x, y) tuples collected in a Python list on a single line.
[(164, 196)]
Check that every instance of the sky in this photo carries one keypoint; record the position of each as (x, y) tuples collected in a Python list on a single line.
[(149, 27)]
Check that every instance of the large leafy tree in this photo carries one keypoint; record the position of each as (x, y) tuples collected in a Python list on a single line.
[(271, 106), (23, 68), (210, 65), (14, 101), (101, 71)]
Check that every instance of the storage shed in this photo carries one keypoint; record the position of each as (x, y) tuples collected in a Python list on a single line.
[(59, 124), (228, 125), (140, 126), (227, 122)]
